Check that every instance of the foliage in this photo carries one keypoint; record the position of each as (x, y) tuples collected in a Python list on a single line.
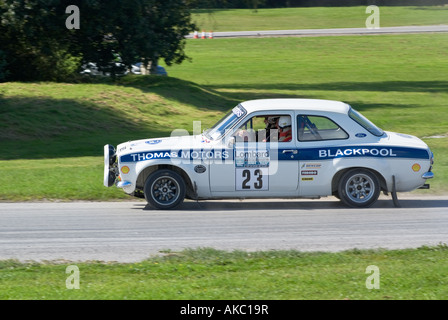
[(143, 30), (39, 46), (3, 64), (31, 39), (209, 274)]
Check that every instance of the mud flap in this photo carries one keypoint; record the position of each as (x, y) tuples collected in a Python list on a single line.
[(394, 194)]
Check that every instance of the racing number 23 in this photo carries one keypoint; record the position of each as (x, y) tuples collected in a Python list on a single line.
[(258, 184), (252, 179)]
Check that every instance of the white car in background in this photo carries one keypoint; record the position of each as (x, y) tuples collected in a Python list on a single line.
[(331, 149)]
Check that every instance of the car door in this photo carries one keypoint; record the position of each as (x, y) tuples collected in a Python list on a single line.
[(259, 166), (316, 133)]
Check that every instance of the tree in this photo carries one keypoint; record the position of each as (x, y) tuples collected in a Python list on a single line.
[(138, 31), (32, 41), (38, 45), (3, 70)]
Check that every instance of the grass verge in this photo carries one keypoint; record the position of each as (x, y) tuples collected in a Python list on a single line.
[(315, 18), (208, 274)]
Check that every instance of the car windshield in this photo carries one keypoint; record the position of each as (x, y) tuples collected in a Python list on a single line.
[(226, 123), (365, 123)]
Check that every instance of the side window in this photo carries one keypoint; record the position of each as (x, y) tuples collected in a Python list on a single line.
[(265, 128), (317, 128)]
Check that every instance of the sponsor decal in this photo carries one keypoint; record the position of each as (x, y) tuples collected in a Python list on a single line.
[(307, 179), (154, 141), (200, 168), (383, 152), (362, 151), (237, 111), (122, 149), (251, 158), (181, 155), (252, 169), (416, 167), (142, 156), (125, 169), (308, 172), (311, 165)]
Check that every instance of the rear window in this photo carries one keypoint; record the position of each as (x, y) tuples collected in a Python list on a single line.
[(365, 123)]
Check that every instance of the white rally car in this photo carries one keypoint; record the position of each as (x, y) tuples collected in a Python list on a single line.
[(273, 148)]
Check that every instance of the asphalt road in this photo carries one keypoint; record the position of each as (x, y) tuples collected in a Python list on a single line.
[(328, 32), (129, 232)]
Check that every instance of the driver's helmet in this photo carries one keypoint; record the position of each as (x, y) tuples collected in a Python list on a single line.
[(284, 121)]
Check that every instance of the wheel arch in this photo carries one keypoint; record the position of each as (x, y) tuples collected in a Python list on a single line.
[(340, 173), (144, 174)]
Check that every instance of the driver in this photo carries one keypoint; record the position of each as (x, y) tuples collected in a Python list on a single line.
[(285, 129)]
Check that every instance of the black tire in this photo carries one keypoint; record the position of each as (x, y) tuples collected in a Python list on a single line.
[(359, 188), (164, 189)]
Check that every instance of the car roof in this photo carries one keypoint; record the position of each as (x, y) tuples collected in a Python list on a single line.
[(296, 104)]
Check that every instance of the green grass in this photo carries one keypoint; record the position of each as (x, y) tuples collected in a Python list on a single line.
[(404, 76), (400, 82), (315, 18), (207, 274), (53, 133), (78, 178), (67, 120)]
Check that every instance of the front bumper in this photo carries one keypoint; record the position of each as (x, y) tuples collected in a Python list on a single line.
[(123, 184), (428, 175), (110, 166)]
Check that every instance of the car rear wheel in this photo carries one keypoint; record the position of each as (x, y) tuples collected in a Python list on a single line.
[(164, 189), (359, 188)]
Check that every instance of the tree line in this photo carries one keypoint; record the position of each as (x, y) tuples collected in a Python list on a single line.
[(36, 42)]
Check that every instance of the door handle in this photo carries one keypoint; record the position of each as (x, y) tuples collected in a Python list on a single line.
[(290, 151)]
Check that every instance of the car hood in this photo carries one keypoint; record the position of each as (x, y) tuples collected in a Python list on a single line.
[(405, 140), (163, 144)]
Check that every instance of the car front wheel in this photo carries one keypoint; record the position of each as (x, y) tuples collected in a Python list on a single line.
[(359, 188), (164, 189)]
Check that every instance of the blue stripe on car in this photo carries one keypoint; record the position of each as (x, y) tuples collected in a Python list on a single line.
[(304, 154)]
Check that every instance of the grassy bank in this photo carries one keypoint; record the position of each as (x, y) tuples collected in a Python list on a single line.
[(214, 275), (315, 18), (399, 82), (53, 120)]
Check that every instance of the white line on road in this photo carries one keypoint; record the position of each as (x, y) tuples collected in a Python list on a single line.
[(329, 32)]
